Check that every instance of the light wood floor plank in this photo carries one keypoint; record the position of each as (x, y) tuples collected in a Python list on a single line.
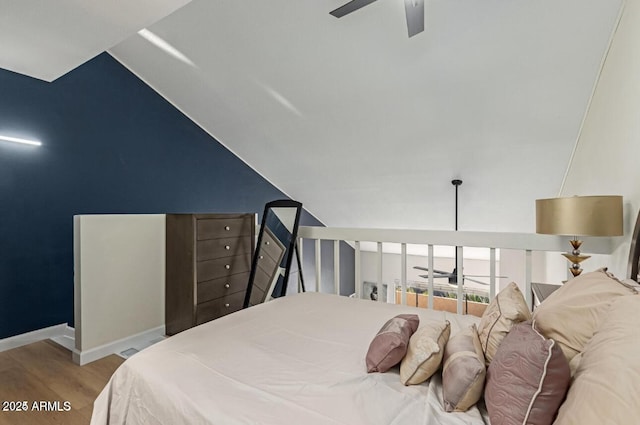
[(86, 413), (6, 361), (18, 386), (44, 371), (75, 384)]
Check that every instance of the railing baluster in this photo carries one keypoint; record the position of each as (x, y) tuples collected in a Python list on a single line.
[(381, 295), (358, 275), (459, 279), (318, 265), (336, 266), (403, 275), (430, 261), (527, 279), (492, 273)]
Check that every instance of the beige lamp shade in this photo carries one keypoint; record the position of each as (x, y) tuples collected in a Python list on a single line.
[(580, 216)]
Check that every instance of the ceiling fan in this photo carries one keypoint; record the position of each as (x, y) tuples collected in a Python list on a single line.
[(414, 11), (453, 276)]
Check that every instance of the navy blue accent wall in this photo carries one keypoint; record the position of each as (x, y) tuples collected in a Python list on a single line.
[(110, 145)]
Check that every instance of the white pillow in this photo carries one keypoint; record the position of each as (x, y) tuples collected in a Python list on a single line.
[(507, 309), (606, 384), (424, 355)]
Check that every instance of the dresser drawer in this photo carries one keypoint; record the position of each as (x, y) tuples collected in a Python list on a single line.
[(227, 247), (219, 307), (222, 267), (267, 263), (257, 296), (216, 288), (218, 228), (272, 246), (262, 279)]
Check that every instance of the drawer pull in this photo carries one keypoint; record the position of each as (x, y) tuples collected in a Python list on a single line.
[(227, 305), (227, 228), (267, 243), (227, 266), (226, 285), (227, 247), (261, 257)]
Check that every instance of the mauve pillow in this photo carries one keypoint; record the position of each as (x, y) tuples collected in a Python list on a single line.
[(463, 371), (527, 379), (390, 343)]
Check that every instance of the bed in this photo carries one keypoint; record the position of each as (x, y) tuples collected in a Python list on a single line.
[(298, 359), (301, 360)]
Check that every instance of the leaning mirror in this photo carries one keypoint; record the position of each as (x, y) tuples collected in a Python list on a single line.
[(274, 252)]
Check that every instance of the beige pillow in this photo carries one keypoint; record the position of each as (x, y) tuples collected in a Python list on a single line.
[(424, 354), (574, 363), (389, 345), (507, 308), (527, 379), (606, 384), (463, 371), (572, 313)]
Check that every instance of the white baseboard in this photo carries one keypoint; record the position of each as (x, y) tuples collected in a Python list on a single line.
[(67, 339), (56, 331), (138, 341), (64, 335)]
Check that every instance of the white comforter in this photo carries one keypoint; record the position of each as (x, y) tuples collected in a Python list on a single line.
[(296, 360)]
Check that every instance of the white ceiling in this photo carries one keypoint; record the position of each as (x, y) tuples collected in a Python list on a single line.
[(46, 39), (367, 127)]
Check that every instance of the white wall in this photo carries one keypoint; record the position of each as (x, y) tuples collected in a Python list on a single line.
[(607, 155), (512, 264), (119, 276)]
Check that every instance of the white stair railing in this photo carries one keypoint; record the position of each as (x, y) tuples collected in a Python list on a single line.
[(526, 242)]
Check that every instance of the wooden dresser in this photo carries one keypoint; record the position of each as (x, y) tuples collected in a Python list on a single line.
[(208, 261)]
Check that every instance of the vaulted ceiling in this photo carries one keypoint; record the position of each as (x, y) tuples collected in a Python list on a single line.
[(46, 39), (368, 127)]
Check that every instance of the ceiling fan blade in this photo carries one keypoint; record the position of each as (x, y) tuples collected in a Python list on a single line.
[(476, 281), (347, 8), (434, 270), (426, 276), (414, 9), (483, 275)]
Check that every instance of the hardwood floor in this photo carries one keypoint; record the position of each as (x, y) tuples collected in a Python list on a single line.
[(44, 372)]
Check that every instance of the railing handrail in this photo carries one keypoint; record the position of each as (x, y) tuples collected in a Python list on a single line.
[(500, 240)]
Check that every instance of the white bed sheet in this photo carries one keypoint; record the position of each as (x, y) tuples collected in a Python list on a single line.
[(296, 360)]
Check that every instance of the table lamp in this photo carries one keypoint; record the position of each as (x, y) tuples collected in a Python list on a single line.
[(579, 216)]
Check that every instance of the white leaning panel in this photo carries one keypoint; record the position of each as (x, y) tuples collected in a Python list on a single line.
[(119, 277)]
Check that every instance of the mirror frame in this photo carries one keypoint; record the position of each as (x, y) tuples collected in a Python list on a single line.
[(282, 203)]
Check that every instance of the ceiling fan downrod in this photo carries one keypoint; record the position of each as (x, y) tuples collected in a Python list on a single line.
[(456, 183)]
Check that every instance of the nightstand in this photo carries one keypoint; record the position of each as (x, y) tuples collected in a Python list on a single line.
[(542, 290)]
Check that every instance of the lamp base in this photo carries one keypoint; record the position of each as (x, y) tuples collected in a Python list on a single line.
[(575, 257)]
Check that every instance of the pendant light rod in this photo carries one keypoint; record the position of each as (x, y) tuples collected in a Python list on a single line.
[(456, 183)]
